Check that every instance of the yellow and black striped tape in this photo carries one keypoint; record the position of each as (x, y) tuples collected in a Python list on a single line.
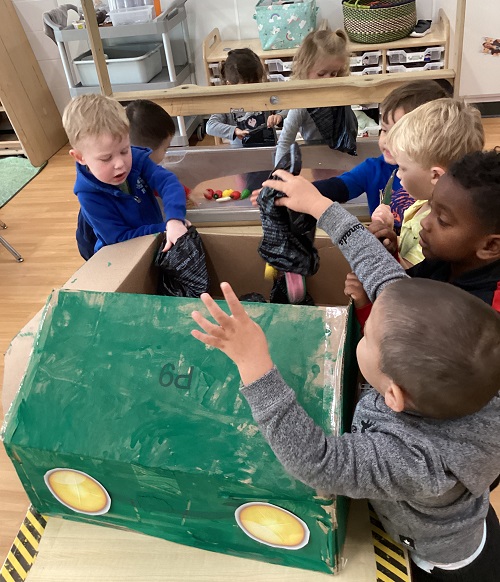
[(391, 558), (24, 549)]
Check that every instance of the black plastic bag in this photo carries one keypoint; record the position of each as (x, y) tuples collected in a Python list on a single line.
[(183, 268), (338, 127), (288, 236), (261, 136)]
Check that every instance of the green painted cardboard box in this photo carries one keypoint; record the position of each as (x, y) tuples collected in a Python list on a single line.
[(124, 419)]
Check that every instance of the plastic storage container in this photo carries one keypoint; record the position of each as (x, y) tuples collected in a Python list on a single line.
[(366, 70), (137, 63), (409, 69), (215, 69), (278, 65), (137, 15), (127, 4), (432, 53), (365, 59), (277, 77)]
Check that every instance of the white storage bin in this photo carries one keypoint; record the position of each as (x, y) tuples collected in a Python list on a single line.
[(364, 106), (367, 71), (278, 65), (125, 4), (403, 69), (137, 63), (137, 15), (277, 77), (215, 69), (432, 53), (365, 59)]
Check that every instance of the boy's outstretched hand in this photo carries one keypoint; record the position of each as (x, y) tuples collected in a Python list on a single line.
[(301, 195), (238, 336)]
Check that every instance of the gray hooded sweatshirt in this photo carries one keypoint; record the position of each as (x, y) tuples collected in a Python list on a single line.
[(427, 479)]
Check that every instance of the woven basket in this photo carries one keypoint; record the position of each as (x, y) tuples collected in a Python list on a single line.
[(395, 20)]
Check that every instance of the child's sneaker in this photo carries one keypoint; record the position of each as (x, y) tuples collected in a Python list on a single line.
[(421, 28)]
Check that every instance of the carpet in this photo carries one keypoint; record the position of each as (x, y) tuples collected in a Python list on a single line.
[(15, 173)]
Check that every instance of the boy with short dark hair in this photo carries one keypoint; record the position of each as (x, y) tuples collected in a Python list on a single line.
[(460, 237), (150, 127), (115, 181), (425, 441), (375, 174)]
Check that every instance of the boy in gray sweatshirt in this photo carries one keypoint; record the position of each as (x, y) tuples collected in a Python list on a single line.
[(425, 441)]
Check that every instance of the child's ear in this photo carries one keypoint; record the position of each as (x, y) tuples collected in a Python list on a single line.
[(77, 155), (436, 173), (395, 397), (490, 251)]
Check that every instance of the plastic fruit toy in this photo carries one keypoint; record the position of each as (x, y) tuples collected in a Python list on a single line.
[(245, 194), (235, 195), (209, 193), (227, 192)]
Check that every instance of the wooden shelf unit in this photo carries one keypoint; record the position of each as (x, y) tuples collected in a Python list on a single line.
[(25, 98), (10, 145), (215, 49)]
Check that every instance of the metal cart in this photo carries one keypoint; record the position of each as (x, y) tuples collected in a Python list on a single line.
[(170, 29)]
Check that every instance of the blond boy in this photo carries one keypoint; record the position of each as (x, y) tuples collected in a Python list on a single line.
[(114, 181), (424, 143)]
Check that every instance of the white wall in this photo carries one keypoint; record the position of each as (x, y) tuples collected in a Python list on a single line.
[(46, 52), (233, 18)]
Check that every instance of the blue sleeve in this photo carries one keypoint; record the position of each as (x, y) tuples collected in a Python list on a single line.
[(108, 222), (357, 180), (348, 185), (333, 189), (170, 190)]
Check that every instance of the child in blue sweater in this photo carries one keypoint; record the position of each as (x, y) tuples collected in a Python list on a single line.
[(374, 174), (114, 181)]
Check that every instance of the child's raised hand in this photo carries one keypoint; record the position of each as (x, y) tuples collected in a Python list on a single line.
[(354, 289), (174, 230), (273, 120), (383, 213), (238, 336), (301, 195), (387, 236)]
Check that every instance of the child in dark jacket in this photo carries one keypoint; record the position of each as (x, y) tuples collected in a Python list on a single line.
[(115, 181), (425, 440)]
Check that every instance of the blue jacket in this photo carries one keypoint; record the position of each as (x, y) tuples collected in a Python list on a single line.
[(116, 216), (371, 176)]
